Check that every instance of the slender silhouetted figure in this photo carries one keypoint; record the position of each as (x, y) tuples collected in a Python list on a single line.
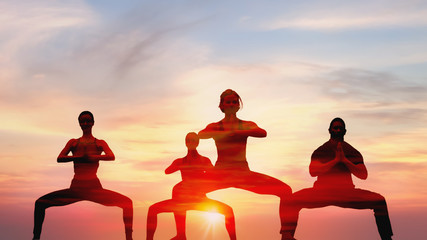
[(333, 163), (193, 167), (86, 151), (231, 168)]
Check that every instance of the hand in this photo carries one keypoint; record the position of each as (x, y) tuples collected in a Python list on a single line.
[(339, 153), (85, 157)]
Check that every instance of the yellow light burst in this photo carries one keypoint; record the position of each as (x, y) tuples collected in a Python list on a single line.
[(213, 217)]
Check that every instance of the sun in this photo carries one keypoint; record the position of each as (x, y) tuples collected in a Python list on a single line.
[(213, 217)]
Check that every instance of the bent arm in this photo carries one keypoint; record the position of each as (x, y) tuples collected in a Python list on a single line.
[(251, 129), (108, 154), (359, 170), (318, 168), (63, 155), (323, 160), (173, 167), (211, 131), (356, 167)]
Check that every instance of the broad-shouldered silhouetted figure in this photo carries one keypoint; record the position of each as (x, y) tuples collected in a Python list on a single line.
[(193, 196), (333, 163), (231, 168), (86, 151)]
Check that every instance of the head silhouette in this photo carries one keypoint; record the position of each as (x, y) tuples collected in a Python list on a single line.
[(192, 140), (337, 128), (230, 100), (86, 120)]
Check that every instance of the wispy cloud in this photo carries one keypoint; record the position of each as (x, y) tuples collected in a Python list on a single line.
[(333, 16), (370, 86)]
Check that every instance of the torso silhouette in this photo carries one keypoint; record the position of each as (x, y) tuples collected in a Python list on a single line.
[(338, 176), (231, 147), (84, 169), (192, 168)]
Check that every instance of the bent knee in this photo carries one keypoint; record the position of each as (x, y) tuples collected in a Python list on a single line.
[(41, 202), (127, 202), (285, 191), (226, 211), (152, 209), (376, 197)]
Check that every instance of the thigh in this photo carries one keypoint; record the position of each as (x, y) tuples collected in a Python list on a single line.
[(60, 197), (312, 198), (108, 198), (346, 198), (260, 183), (169, 205), (189, 191), (360, 199)]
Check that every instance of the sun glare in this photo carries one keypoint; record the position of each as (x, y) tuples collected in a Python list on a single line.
[(213, 217)]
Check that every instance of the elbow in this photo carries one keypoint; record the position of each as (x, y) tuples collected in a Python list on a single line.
[(260, 134), (313, 170), (169, 170), (263, 133), (313, 173), (202, 135), (363, 173)]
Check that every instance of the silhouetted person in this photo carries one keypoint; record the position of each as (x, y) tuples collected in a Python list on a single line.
[(231, 168), (333, 163), (192, 197), (86, 151)]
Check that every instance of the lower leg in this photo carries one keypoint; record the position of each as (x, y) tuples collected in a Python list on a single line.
[(39, 215), (230, 225), (151, 224), (287, 235), (128, 221), (288, 219), (180, 218), (285, 210), (384, 226), (383, 220), (289, 214)]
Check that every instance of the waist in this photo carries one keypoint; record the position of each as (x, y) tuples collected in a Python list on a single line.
[(231, 165), (334, 182), (85, 183)]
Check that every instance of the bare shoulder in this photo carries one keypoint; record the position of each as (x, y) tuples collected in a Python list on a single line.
[(72, 142), (248, 124), (205, 159), (100, 142), (213, 125), (178, 161)]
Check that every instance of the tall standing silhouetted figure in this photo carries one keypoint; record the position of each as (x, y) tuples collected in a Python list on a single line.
[(193, 167), (333, 163), (86, 151), (231, 168)]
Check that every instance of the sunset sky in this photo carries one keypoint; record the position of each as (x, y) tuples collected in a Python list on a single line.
[(152, 71)]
